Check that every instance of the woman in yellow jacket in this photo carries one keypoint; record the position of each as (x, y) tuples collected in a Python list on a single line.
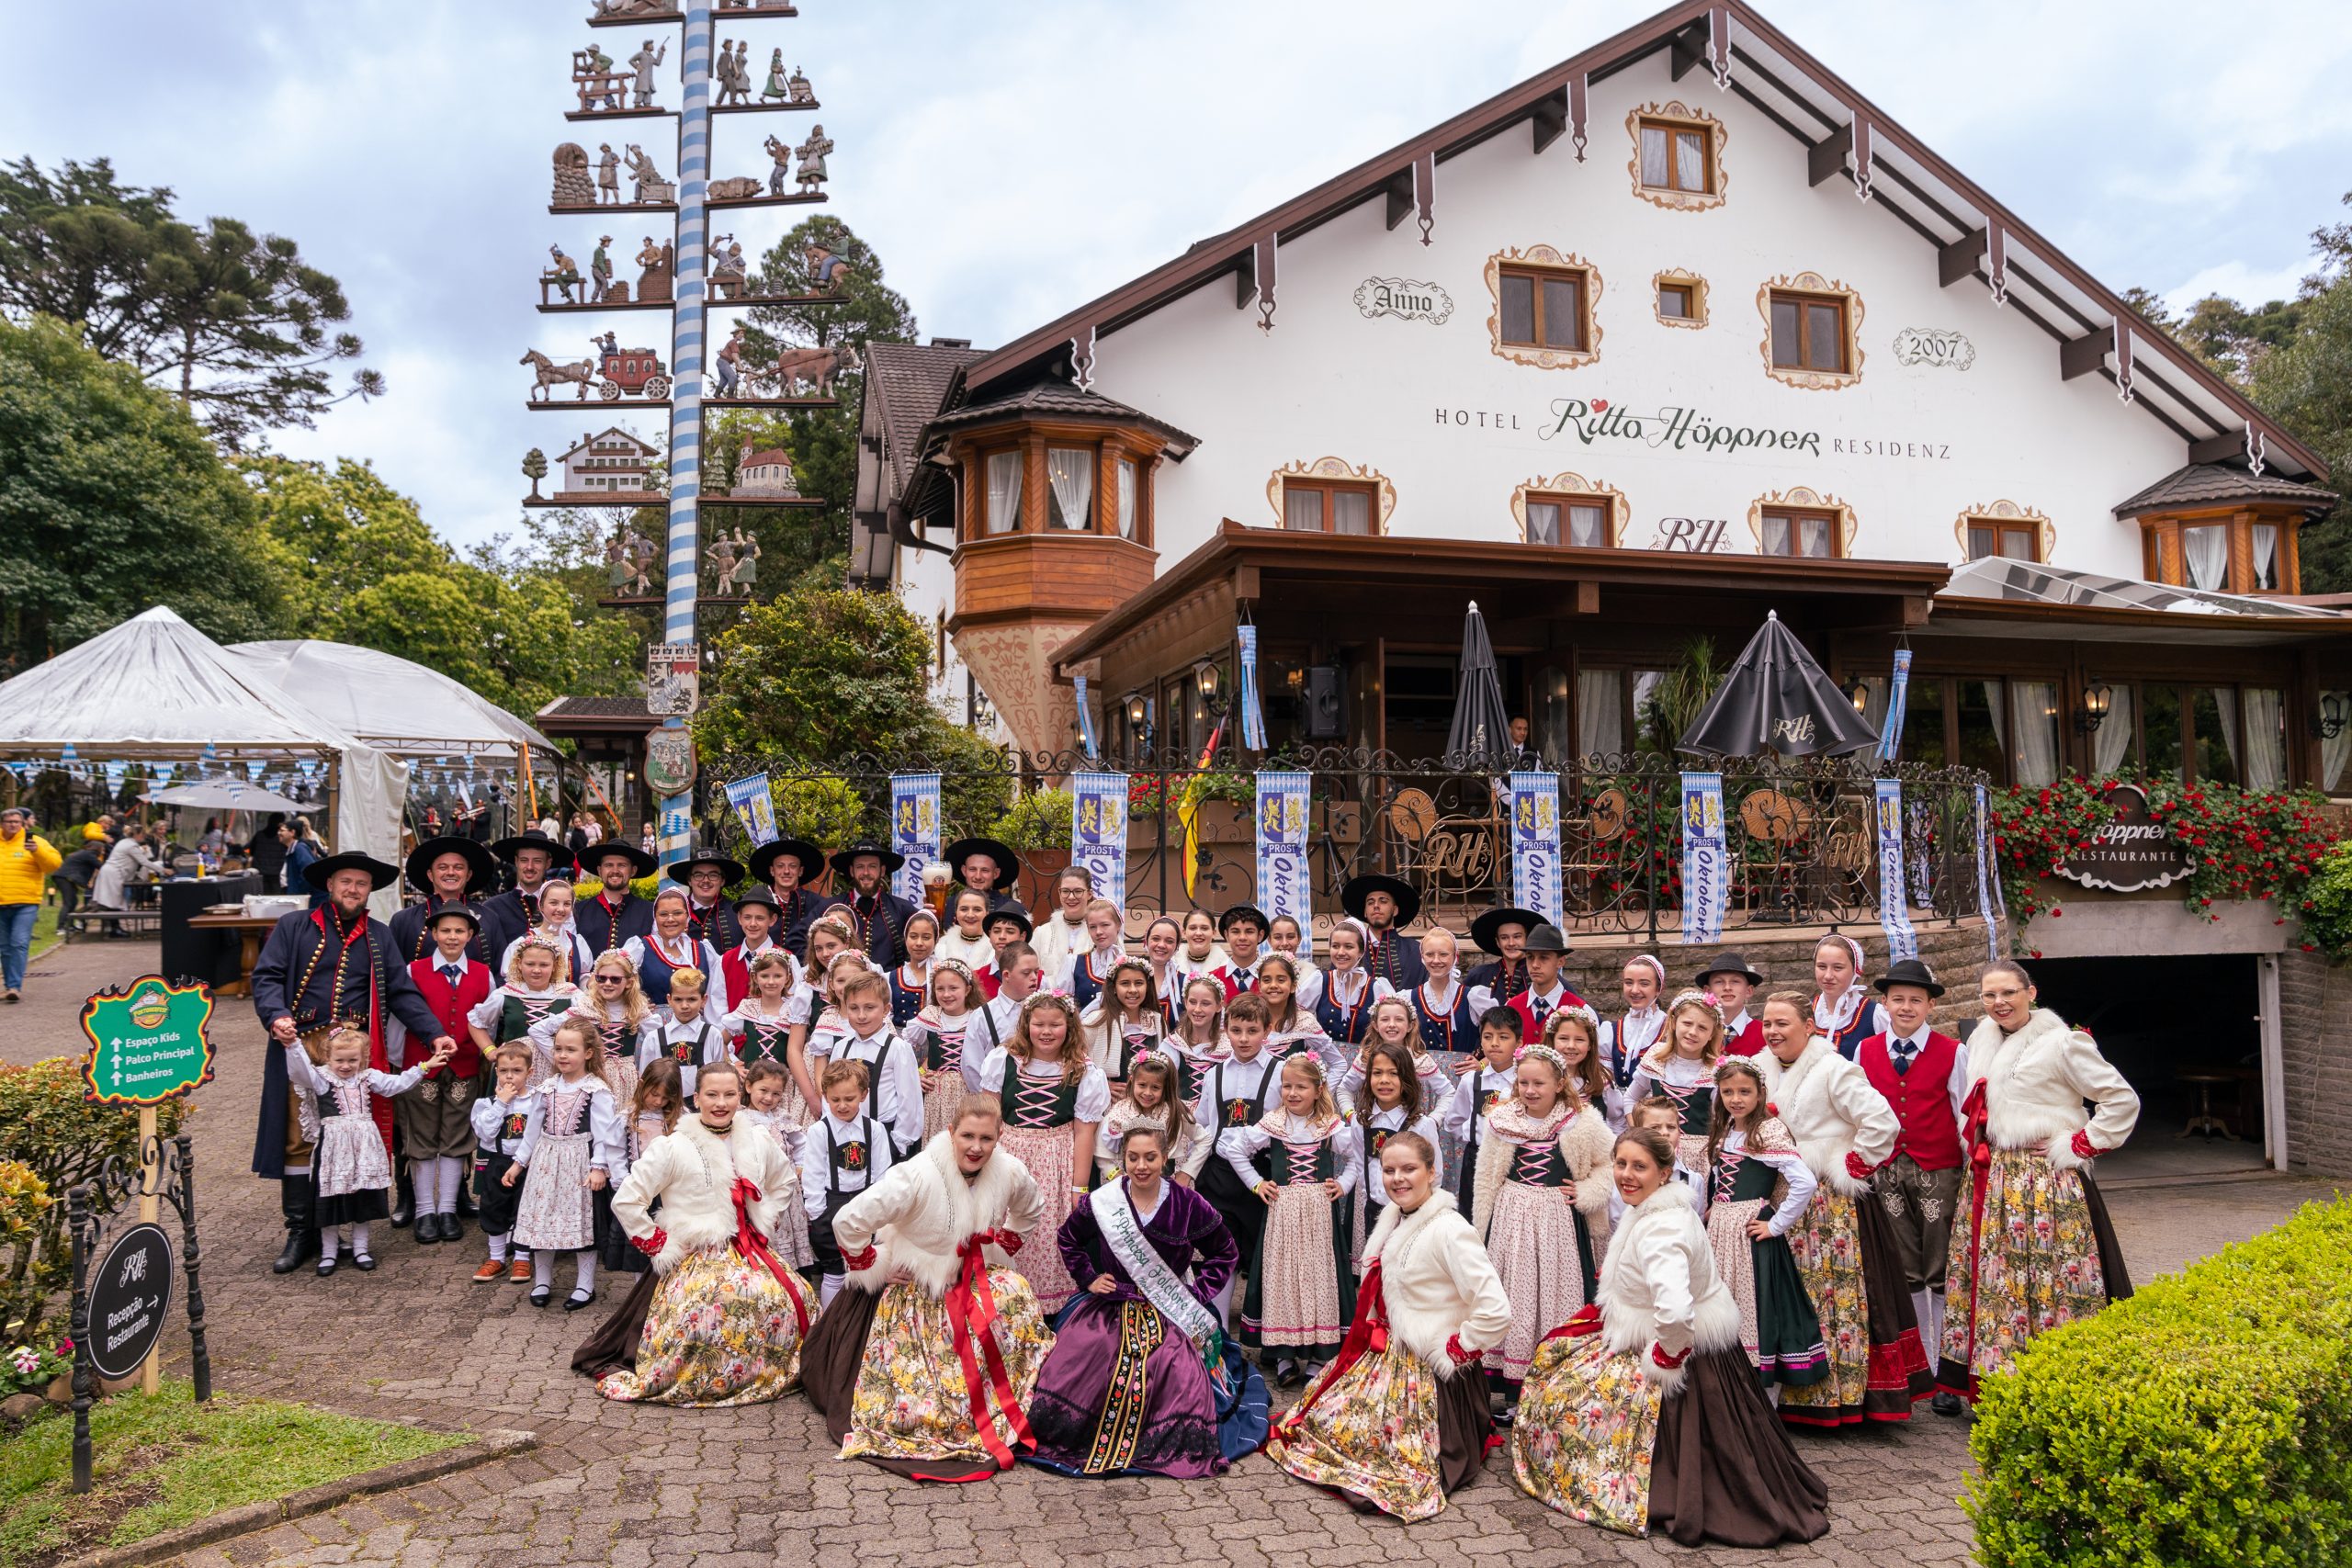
[(26, 861)]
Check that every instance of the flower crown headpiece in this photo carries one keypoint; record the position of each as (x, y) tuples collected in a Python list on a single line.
[(1542, 1053), (1705, 998)]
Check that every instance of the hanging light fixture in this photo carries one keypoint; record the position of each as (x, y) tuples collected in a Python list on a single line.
[(2097, 701)]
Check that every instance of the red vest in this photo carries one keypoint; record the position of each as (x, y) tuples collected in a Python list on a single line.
[(449, 1004), (1748, 1041), (1921, 1099), (1223, 976), (738, 973), (987, 978), (1523, 1004)]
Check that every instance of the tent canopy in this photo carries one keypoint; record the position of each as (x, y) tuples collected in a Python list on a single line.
[(227, 794), (389, 702)]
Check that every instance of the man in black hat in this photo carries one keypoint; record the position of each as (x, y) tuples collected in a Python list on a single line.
[(320, 968), (534, 858), (1731, 982), (448, 871), (615, 914), (1386, 905), (787, 866), (709, 916), (986, 867), (1503, 932), (1546, 993), (879, 913)]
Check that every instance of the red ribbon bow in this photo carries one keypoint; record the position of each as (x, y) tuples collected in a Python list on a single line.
[(972, 1316), (1586, 1322), (754, 1246)]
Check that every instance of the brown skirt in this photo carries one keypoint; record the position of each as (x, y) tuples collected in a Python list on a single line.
[(1724, 1469), (613, 1348), (1466, 1426)]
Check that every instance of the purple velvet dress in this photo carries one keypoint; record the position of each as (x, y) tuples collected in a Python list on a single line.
[(1123, 1390)]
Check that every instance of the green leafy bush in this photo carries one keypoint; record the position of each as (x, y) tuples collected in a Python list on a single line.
[(62, 1140), (2208, 1420), (2327, 904), (1038, 820)]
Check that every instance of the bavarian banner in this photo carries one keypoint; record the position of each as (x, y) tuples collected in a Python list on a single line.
[(914, 829), (1281, 845), (1893, 888), (1098, 831), (1535, 843), (1706, 860), (754, 806)]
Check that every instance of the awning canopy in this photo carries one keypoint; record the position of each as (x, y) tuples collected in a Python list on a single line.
[(392, 703), (2029, 582)]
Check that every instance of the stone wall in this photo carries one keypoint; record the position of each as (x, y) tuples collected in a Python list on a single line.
[(2315, 1040)]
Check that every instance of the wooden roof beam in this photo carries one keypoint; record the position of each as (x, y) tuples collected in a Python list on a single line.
[(1958, 260), (1689, 51), (1399, 191), (2218, 448), (2082, 355), (1825, 159), (1550, 119)]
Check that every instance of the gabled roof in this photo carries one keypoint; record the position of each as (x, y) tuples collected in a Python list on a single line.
[(2212, 484), (638, 442), (1974, 236), (1049, 399), (908, 380)]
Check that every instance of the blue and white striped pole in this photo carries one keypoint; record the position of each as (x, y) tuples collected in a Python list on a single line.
[(685, 377)]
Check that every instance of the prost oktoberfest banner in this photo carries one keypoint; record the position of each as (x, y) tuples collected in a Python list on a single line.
[(1282, 846), (1706, 862), (1893, 888), (1535, 843), (914, 829), (1098, 831), (754, 805)]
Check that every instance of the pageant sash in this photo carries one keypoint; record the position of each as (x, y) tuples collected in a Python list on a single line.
[(1535, 843), (1114, 1217), (1890, 734), (754, 805), (1893, 888), (1989, 901), (1098, 831), (914, 831), (1281, 845), (1706, 862)]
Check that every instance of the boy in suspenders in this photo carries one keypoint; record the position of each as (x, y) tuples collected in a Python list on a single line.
[(843, 1153)]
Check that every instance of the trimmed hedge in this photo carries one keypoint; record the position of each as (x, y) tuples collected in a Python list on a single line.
[(2208, 1420)]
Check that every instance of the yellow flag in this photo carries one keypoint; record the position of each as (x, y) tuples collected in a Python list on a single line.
[(1188, 808)]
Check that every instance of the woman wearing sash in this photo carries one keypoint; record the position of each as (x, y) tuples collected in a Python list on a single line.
[(1140, 1380)]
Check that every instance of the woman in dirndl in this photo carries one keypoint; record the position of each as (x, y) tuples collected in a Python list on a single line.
[(2032, 1248)]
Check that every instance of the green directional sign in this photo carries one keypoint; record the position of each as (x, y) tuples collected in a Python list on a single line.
[(147, 1042)]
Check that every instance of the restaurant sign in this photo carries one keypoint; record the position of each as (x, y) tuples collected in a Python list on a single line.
[(2128, 852)]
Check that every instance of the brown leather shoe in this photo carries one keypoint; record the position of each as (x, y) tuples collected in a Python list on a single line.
[(491, 1270), (519, 1271)]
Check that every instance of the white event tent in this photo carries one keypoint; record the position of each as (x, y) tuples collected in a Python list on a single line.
[(392, 703)]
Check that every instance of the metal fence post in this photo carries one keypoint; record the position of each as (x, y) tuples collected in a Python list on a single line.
[(85, 1374), (199, 1356)]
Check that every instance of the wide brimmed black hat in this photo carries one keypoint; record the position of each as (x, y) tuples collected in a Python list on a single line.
[(379, 875), (1013, 912), (811, 858), (760, 896), (1486, 929), (1908, 972), (458, 911), (730, 872), (1008, 863), (1243, 912), (1545, 938), (1730, 963), (891, 859), (479, 862), (1356, 889), (507, 849), (592, 859)]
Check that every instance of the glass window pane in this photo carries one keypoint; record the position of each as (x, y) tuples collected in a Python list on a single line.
[(2033, 747), (2263, 710), (1303, 508), (1552, 715), (1690, 161), (1542, 523), (1600, 712), (1982, 722), (2206, 552), (1004, 492), (1981, 541), (2160, 731), (2215, 722), (1674, 302), (2017, 543), (1813, 533), (1351, 512), (1923, 722), (1784, 334), (1587, 526), (1653, 155), (1776, 535), (1127, 491), (1519, 308), (2265, 557), (1563, 316), (1069, 486), (1824, 338), (1645, 684)]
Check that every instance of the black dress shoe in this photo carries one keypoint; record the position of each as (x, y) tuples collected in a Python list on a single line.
[(575, 1300), (1947, 1403), (450, 1229), (539, 1294), (300, 1248), (403, 1211), (364, 1263), (326, 1266)]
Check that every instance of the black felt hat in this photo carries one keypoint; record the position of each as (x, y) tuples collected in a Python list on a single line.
[(481, 865), (1013, 912), (1730, 963), (891, 859), (811, 858), (507, 849), (593, 858), (1545, 938), (1008, 862), (1486, 929), (1908, 972), (730, 872), (379, 875), (1356, 889)]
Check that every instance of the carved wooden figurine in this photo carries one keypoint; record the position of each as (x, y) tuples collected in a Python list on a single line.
[(718, 558), (812, 153), (725, 267), (643, 62), (827, 271), (572, 185), (781, 155), (737, 583), (593, 78), (656, 267), (534, 468), (767, 473), (580, 372), (647, 178), (562, 276)]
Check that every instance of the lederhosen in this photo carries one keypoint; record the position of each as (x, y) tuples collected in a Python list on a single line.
[(497, 1201), (1482, 1101), (1244, 1211), (1037, 1105), (906, 1001), (688, 1054), (1345, 1022), (764, 1041), (1543, 1164), (873, 1108), (856, 1155)]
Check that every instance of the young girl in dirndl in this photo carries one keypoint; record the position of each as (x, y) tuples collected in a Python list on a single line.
[(1394, 1025), (1148, 1098), (1123, 1023), (351, 1168), (1197, 1041), (1758, 1187), (1054, 1100), (1681, 1068), (569, 1149), (1301, 1290), (1843, 1008), (1291, 1024), (759, 1025), (910, 980), (940, 1034), (531, 994), (1345, 1008), (614, 1005), (1390, 1103)]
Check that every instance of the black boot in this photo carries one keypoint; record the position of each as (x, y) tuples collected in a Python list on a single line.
[(403, 1203), (302, 1235)]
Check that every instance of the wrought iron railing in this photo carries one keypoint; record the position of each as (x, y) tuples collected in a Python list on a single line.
[(1799, 833)]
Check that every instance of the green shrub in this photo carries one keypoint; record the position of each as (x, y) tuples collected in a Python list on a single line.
[(1038, 820), (24, 1205), (47, 1128), (2208, 1420), (2327, 904)]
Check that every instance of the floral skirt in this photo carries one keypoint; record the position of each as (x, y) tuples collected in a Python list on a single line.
[(1301, 1293), (1877, 1365), (1045, 1152), (941, 1096), (1392, 1432), (1547, 1261), (1587, 1425), (907, 1405), (720, 1330), (558, 1213), (2032, 1263), (1778, 1327)]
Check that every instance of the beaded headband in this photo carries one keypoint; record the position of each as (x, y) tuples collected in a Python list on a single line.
[(1591, 1020), (1541, 1053)]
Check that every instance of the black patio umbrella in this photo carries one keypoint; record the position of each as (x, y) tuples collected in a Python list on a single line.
[(1481, 734), (1777, 699)]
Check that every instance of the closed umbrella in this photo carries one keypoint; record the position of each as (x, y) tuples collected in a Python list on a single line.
[(1777, 699), (1481, 734)]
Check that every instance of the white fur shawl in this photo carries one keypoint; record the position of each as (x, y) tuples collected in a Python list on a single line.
[(1437, 1282), (2035, 1083), (1659, 1286), (692, 1170), (1586, 1142), (921, 1211), (1831, 1111)]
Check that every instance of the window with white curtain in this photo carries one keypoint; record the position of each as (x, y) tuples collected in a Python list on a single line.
[(1581, 521), (1004, 492), (1069, 486), (1542, 522), (1128, 488), (1799, 534), (2265, 558), (2033, 714), (1302, 508), (1350, 512), (2207, 551), (1674, 157), (2335, 749), (2111, 742), (1600, 712), (2266, 737)]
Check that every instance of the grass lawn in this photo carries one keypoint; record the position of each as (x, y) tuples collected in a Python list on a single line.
[(167, 1461)]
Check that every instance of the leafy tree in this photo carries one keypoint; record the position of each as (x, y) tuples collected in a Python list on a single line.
[(336, 532), (534, 468), (111, 501), (234, 320)]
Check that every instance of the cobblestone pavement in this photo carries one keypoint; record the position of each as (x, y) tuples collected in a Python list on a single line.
[(417, 1341)]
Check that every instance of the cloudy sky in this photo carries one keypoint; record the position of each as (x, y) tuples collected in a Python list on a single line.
[(1010, 160)]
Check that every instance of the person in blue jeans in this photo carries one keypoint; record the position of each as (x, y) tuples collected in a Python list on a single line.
[(26, 861)]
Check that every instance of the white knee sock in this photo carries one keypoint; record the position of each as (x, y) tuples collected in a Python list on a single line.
[(329, 1237), (587, 1279), (1936, 1311), (420, 1182), (1923, 1306), (360, 1242), (1224, 1302), (828, 1287), (543, 1269), (444, 1196), (497, 1248), (1772, 1395)]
